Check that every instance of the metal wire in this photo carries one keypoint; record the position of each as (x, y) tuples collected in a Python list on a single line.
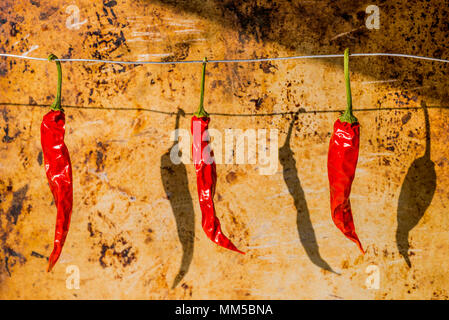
[(322, 56)]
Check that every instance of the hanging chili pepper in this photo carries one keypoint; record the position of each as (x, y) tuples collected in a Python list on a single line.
[(58, 168), (342, 162), (203, 158)]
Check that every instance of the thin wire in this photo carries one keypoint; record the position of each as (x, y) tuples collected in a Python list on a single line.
[(234, 60), (21, 57)]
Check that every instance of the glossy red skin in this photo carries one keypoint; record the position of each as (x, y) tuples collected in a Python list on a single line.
[(59, 174), (206, 181), (341, 165)]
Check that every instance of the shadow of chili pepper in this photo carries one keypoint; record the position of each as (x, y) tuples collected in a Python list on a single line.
[(303, 222), (416, 194), (176, 186)]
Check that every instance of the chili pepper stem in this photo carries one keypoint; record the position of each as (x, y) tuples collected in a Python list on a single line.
[(56, 105), (200, 113), (347, 116)]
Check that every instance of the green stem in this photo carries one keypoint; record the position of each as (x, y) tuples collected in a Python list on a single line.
[(347, 116), (201, 112), (56, 105)]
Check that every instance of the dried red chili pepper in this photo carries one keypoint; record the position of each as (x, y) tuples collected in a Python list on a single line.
[(342, 162), (58, 168), (203, 159)]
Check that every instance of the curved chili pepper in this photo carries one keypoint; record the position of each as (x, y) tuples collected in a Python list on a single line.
[(58, 169), (341, 165), (206, 173)]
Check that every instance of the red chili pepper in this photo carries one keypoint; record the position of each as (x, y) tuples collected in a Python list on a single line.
[(203, 158), (341, 165), (58, 168)]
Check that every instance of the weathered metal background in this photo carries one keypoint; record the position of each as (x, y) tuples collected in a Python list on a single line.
[(136, 230)]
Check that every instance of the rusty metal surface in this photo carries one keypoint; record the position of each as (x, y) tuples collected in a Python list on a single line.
[(136, 230)]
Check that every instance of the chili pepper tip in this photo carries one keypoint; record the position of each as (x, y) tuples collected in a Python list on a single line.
[(236, 250), (50, 266), (359, 244), (361, 249)]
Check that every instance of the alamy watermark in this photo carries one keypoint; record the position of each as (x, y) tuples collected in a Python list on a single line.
[(372, 282), (73, 280), (73, 21), (373, 19), (234, 146)]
